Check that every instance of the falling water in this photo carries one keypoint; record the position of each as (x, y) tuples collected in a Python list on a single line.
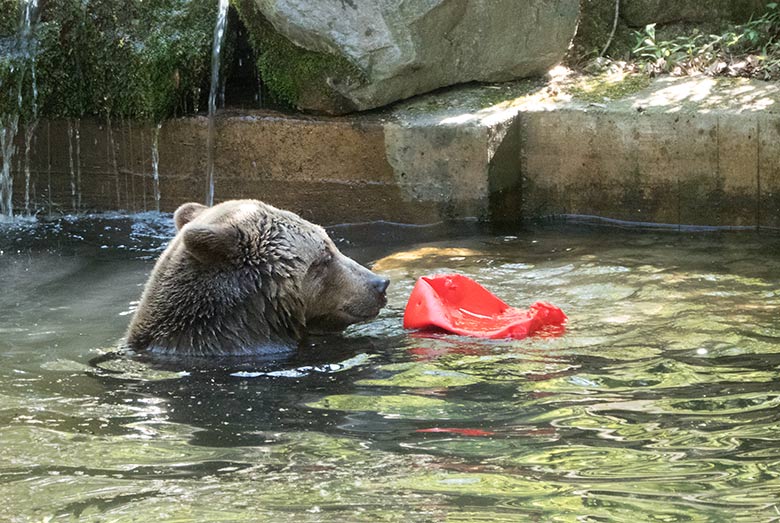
[(156, 165), (29, 134), (70, 165), (48, 165), (219, 38), (30, 43), (111, 156), (78, 163), (74, 161), (130, 166), (7, 136), (196, 99), (26, 45)]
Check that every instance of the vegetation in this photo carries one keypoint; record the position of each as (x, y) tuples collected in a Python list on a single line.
[(15, 69), (751, 49), (142, 59), (150, 59)]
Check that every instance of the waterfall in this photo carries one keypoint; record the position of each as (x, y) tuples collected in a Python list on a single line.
[(111, 158), (219, 38), (9, 123), (7, 137), (156, 166), (74, 162), (70, 165), (30, 52), (130, 166), (29, 134), (48, 167)]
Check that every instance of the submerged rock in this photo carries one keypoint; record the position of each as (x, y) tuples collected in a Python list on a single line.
[(398, 48)]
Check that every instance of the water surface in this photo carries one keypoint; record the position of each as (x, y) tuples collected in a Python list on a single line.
[(658, 404)]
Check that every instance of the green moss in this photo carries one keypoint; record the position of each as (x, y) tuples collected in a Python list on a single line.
[(8, 62), (16, 67), (141, 59), (291, 73), (607, 87), (10, 18)]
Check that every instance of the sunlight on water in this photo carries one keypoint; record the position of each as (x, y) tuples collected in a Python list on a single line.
[(658, 403)]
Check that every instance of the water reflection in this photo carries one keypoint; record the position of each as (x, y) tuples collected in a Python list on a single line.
[(659, 403)]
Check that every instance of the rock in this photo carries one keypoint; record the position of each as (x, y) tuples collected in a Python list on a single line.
[(403, 48), (639, 13)]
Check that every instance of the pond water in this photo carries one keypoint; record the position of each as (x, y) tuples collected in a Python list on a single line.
[(659, 403)]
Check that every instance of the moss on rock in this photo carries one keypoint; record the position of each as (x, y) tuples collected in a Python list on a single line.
[(606, 87), (294, 75)]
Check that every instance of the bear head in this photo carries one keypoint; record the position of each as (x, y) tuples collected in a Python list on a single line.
[(244, 277)]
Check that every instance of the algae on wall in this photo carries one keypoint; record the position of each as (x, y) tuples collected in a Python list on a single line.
[(140, 59)]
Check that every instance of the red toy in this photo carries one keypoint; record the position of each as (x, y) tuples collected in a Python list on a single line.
[(460, 305)]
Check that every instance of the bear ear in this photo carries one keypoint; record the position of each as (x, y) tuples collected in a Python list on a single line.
[(211, 243), (186, 213)]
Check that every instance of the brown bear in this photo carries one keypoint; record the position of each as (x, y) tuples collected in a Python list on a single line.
[(244, 277)]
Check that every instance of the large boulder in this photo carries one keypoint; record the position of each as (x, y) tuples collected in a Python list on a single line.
[(400, 48)]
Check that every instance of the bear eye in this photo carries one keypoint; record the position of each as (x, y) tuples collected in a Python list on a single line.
[(323, 261)]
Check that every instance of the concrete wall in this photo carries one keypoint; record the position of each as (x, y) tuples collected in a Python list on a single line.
[(717, 167), (330, 171), (686, 151)]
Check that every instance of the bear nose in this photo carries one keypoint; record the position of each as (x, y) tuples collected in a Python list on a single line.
[(380, 284)]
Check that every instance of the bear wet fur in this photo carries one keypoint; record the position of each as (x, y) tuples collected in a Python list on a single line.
[(244, 277)]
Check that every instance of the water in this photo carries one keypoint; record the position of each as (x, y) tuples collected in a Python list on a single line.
[(23, 54), (29, 134), (111, 154), (660, 402), (28, 39), (156, 166), (74, 162), (219, 39), (8, 129)]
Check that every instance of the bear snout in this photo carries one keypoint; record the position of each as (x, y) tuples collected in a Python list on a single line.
[(380, 284)]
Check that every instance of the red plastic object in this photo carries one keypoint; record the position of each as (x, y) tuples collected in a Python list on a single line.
[(460, 305)]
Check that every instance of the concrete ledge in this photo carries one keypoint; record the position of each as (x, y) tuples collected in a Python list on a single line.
[(692, 151)]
